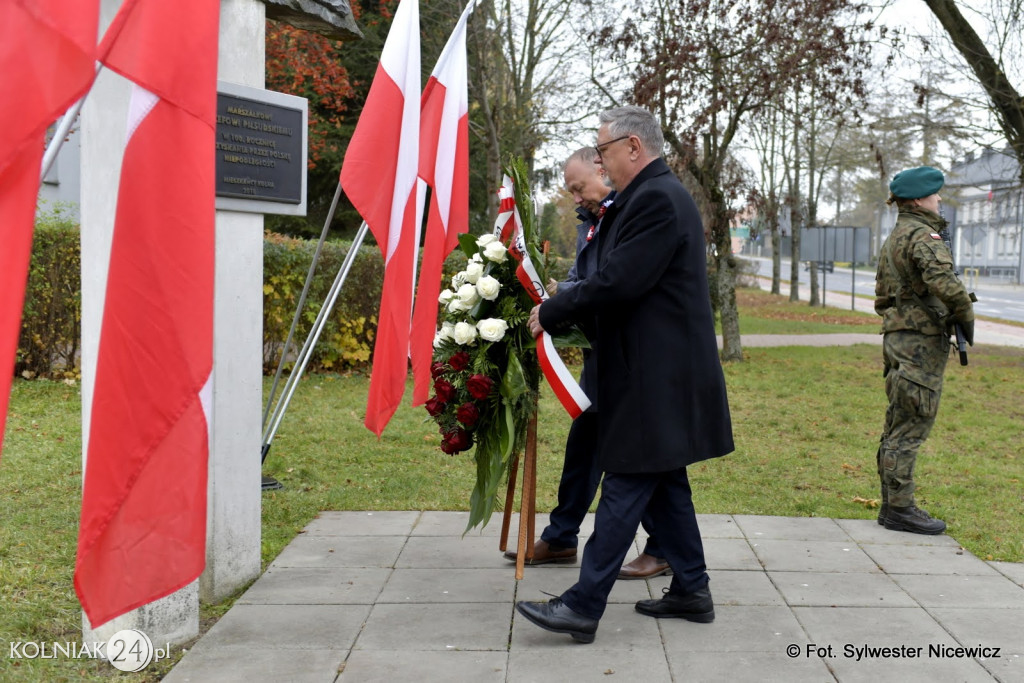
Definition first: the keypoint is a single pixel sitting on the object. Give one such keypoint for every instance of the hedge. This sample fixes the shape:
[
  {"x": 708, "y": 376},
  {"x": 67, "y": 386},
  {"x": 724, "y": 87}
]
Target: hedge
[{"x": 51, "y": 327}]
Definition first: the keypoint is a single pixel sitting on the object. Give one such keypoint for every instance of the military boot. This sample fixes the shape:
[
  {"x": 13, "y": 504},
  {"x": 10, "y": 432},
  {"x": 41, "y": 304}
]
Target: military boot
[
  {"x": 883, "y": 509},
  {"x": 913, "y": 519}
]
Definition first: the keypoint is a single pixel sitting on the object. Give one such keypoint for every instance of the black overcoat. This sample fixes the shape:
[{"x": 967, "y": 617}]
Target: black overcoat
[{"x": 663, "y": 398}]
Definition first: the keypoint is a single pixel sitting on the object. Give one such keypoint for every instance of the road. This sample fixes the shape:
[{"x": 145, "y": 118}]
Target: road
[{"x": 996, "y": 299}]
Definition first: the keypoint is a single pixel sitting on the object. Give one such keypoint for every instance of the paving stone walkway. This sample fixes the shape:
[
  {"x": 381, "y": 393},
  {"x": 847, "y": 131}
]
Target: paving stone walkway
[{"x": 402, "y": 596}]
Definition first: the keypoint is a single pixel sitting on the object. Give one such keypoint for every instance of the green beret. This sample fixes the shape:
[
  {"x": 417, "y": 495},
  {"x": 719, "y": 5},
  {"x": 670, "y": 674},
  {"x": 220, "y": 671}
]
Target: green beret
[{"x": 915, "y": 183}]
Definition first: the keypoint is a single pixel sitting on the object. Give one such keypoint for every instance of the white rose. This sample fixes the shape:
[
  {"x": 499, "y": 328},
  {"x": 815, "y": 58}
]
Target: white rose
[
  {"x": 492, "y": 329},
  {"x": 473, "y": 272},
  {"x": 443, "y": 334},
  {"x": 495, "y": 251},
  {"x": 468, "y": 295},
  {"x": 457, "y": 305},
  {"x": 484, "y": 240},
  {"x": 464, "y": 333},
  {"x": 457, "y": 279},
  {"x": 477, "y": 258},
  {"x": 488, "y": 287},
  {"x": 445, "y": 296}
]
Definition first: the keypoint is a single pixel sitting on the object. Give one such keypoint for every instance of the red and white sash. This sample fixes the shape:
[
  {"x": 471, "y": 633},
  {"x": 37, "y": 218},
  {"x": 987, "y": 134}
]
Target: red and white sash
[{"x": 509, "y": 224}]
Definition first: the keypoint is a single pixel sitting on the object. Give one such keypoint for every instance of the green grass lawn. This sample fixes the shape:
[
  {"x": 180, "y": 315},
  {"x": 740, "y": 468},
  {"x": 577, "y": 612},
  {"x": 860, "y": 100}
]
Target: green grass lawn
[{"x": 806, "y": 422}]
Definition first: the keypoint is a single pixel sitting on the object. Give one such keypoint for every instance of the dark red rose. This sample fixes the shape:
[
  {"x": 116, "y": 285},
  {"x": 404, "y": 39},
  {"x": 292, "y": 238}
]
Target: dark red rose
[
  {"x": 462, "y": 440},
  {"x": 437, "y": 369},
  {"x": 444, "y": 390},
  {"x": 479, "y": 386},
  {"x": 435, "y": 406},
  {"x": 467, "y": 414},
  {"x": 459, "y": 361},
  {"x": 455, "y": 441}
]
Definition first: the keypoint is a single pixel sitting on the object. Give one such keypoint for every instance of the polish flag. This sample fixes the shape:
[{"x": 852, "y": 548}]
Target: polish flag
[
  {"x": 143, "y": 527},
  {"x": 444, "y": 165},
  {"x": 47, "y": 58},
  {"x": 379, "y": 177}
]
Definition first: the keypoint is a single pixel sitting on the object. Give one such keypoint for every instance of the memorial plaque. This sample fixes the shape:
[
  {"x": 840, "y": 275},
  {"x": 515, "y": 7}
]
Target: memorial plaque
[{"x": 261, "y": 150}]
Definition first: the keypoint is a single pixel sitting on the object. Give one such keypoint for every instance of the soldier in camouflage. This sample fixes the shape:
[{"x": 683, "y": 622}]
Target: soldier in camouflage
[{"x": 919, "y": 297}]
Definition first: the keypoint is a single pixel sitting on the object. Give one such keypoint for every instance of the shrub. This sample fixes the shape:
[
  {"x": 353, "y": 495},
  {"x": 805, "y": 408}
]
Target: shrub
[{"x": 51, "y": 323}]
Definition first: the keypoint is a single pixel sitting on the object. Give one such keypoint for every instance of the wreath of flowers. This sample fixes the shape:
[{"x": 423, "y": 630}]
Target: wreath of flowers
[{"x": 485, "y": 368}]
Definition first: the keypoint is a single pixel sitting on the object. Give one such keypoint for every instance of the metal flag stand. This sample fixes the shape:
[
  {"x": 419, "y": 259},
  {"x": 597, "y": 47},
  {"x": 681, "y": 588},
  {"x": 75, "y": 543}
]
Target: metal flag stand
[{"x": 270, "y": 426}]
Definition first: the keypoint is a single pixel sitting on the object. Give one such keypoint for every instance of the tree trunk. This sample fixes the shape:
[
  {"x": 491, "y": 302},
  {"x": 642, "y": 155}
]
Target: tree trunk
[
  {"x": 732, "y": 348},
  {"x": 794, "y": 262},
  {"x": 1007, "y": 103},
  {"x": 776, "y": 254},
  {"x": 815, "y": 293}
]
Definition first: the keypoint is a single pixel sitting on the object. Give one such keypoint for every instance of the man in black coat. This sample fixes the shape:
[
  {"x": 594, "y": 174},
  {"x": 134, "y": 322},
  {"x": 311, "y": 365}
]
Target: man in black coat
[{"x": 663, "y": 399}]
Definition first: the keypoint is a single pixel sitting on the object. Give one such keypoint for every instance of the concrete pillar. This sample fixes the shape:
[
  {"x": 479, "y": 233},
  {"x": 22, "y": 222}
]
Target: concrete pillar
[
  {"x": 233, "y": 513},
  {"x": 233, "y": 523}
]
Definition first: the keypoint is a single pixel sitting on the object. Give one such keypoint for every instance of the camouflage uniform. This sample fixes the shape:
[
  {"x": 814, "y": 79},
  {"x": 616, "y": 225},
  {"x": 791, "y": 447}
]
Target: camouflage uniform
[{"x": 919, "y": 296}]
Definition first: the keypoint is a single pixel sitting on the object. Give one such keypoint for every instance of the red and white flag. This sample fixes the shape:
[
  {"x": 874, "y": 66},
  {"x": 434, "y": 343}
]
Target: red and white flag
[
  {"x": 47, "y": 58},
  {"x": 143, "y": 527},
  {"x": 379, "y": 177},
  {"x": 444, "y": 165}
]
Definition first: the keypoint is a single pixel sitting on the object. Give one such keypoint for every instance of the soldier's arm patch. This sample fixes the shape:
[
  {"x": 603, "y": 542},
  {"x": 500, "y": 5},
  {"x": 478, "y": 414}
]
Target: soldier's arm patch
[{"x": 935, "y": 236}]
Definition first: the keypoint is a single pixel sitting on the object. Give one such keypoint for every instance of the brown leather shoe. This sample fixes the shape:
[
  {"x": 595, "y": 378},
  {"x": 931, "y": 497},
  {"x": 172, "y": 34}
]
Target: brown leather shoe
[
  {"x": 543, "y": 553},
  {"x": 645, "y": 567}
]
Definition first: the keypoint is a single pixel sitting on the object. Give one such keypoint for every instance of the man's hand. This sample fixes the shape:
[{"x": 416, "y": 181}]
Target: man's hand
[
  {"x": 535, "y": 326},
  {"x": 551, "y": 286}
]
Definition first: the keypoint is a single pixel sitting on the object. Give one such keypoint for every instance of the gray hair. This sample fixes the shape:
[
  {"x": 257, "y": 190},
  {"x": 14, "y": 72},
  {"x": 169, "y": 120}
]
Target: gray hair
[
  {"x": 636, "y": 121},
  {"x": 584, "y": 155}
]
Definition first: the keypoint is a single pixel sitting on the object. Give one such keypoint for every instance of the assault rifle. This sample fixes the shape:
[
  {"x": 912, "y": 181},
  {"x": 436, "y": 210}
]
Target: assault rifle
[{"x": 961, "y": 340}]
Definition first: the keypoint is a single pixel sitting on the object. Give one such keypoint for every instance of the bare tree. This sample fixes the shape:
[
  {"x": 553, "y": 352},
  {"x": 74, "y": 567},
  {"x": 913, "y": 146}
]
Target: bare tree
[
  {"x": 990, "y": 66},
  {"x": 706, "y": 66},
  {"x": 770, "y": 137},
  {"x": 520, "y": 52}
]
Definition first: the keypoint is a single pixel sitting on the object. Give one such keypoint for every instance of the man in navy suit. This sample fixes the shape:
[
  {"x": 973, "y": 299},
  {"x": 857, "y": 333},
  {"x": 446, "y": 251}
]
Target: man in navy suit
[
  {"x": 585, "y": 181},
  {"x": 660, "y": 382}
]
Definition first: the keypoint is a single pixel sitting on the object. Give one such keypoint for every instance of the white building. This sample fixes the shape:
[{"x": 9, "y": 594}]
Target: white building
[
  {"x": 984, "y": 204},
  {"x": 62, "y": 184}
]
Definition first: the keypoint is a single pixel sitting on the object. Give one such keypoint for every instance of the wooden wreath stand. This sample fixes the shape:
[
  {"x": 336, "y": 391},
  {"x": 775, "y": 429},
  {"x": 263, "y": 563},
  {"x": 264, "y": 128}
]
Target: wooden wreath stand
[{"x": 527, "y": 499}]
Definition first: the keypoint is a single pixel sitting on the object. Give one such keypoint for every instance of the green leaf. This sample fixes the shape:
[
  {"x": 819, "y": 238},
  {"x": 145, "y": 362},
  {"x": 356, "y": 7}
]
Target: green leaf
[
  {"x": 508, "y": 432},
  {"x": 513, "y": 383},
  {"x": 467, "y": 243}
]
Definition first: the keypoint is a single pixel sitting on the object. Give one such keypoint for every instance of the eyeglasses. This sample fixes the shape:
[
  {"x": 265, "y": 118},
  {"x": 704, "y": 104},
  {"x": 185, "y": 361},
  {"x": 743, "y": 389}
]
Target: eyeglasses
[{"x": 597, "y": 149}]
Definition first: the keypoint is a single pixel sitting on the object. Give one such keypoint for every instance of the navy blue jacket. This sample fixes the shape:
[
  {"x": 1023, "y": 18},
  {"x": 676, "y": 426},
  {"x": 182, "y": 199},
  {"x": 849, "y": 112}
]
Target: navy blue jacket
[
  {"x": 663, "y": 398},
  {"x": 584, "y": 265}
]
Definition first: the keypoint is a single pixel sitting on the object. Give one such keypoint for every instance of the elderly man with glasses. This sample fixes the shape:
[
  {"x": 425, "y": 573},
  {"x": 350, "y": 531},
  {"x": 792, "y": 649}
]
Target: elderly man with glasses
[{"x": 661, "y": 386}]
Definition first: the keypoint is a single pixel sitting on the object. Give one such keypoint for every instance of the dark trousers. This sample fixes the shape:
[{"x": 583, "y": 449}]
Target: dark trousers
[
  {"x": 578, "y": 486},
  {"x": 624, "y": 497}
]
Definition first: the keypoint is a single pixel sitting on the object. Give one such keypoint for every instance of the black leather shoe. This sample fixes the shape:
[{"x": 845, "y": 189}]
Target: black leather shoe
[
  {"x": 556, "y": 616},
  {"x": 697, "y": 606},
  {"x": 913, "y": 519}
]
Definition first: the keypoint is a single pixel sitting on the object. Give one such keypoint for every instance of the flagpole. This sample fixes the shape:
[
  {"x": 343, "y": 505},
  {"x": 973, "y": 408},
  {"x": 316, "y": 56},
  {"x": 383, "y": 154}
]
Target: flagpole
[
  {"x": 302, "y": 301},
  {"x": 314, "y": 335},
  {"x": 57, "y": 141}
]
